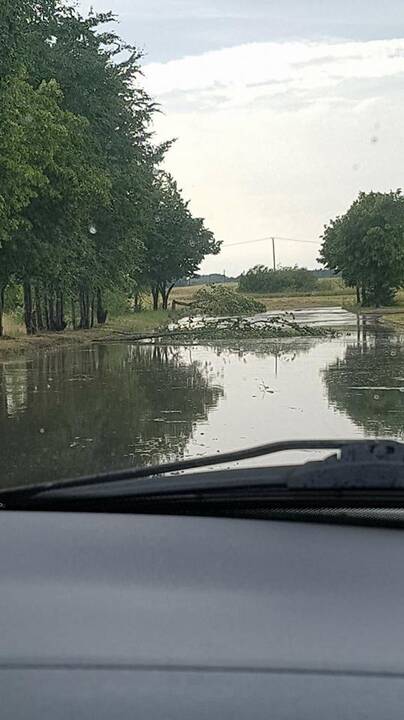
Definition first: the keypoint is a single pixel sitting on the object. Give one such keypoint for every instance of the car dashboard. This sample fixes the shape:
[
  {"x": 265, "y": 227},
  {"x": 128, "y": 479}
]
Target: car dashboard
[{"x": 166, "y": 617}]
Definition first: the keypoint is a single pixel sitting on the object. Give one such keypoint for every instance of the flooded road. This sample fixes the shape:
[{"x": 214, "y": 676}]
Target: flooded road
[{"x": 79, "y": 410}]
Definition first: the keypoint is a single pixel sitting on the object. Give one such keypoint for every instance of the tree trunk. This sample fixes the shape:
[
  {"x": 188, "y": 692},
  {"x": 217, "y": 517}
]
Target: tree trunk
[
  {"x": 358, "y": 295},
  {"x": 29, "y": 316},
  {"x": 73, "y": 314},
  {"x": 92, "y": 310},
  {"x": 51, "y": 311},
  {"x": 81, "y": 305},
  {"x": 2, "y": 291},
  {"x": 60, "y": 313},
  {"x": 84, "y": 308},
  {"x": 101, "y": 312},
  {"x": 38, "y": 309},
  {"x": 46, "y": 311},
  {"x": 155, "y": 295},
  {"x": 165, "y": 294},
  {"x": 365, "y": 297}
]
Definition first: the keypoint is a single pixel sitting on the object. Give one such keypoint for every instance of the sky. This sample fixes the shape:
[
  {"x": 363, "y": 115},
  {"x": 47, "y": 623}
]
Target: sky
[{"x": 282, "y": 112}]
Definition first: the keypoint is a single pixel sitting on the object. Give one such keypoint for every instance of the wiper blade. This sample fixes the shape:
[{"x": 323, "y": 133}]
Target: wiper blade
[{"x": 362, "y": 464}]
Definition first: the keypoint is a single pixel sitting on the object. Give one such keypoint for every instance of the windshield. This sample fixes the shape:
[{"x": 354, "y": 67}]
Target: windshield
[{"x": 201, "y": 230}]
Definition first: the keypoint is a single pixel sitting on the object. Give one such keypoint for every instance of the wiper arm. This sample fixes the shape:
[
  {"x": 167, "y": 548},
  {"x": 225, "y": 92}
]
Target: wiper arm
[{"x": 363, "y": 464}]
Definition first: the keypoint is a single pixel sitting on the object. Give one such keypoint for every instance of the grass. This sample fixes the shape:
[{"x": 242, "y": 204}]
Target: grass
[
  {"x": 395, "y": 318},
  {"x": 332, "y": 292},
  {"x": 16, "y": 340},
  {"x": 298, "y": 302},
  {"x": 141, "y": 321},
  {"x": 13, "y": 327},
  {"x": 393, "y": 314}
]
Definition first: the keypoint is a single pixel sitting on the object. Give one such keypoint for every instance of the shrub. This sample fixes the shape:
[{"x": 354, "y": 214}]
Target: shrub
[{"x": 288, "y": 279}]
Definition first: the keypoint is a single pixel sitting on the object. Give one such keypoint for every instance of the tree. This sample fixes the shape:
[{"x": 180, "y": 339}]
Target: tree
[
  {"x": 95, "y": 184},
  {"x": 16, "y": 18},
  {"x": 31, "y": 129},
  {"x": 83, "y": 207},
  {"x": 49, "y": 185},
  {"x": 176, "y": 242},
  {"x": 263, "y": 279},
  {"x": 104, "y": 90},
  {"x": 366, "y": 245}
]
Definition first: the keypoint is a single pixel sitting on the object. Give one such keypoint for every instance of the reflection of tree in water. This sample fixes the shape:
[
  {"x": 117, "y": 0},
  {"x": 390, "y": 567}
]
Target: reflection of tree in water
[
  {"x": 84, "y": 410},
  {"x": 368, "y": 385}
]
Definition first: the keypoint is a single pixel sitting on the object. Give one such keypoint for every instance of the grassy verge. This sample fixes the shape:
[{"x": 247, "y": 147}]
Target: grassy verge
[
  {"x": 17, "y": 341},
  {"x": 393, "y": 314},
  {"x": 300, "y": 302},
  {"x": 394, "y": 318}
]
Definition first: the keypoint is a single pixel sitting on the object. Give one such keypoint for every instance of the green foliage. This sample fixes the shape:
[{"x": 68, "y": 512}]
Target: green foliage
[
  {"x": 262, "y": 279},
  {"x": 117, "y": 301},
  {"x": 14, "y": 299},
  {"x": 84, "y": 207},
  {"x": 366, "y": 245},
  {"x": 176, "y": 242},
  {"x": 332, "y": 286},
  {"x": 219, "y": 300}
]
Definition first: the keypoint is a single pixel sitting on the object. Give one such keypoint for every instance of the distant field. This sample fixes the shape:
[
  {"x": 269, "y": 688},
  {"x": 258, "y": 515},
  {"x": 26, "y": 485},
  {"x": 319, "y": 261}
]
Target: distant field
[{"x": 333, "y": 292}]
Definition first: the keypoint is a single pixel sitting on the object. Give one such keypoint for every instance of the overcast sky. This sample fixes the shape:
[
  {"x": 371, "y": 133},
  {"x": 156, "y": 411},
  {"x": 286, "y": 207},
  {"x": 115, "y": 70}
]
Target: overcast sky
[{"x": 283, "y": 111}]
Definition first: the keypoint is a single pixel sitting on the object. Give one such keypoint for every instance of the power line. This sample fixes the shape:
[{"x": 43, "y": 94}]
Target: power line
[{"x": 270, "y": 237}]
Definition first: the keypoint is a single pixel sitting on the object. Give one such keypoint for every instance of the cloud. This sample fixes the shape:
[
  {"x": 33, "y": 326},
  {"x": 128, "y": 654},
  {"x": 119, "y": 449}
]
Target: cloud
[
  {"x": 247, "y": 72},
  {"x": 277, "y": 138}
]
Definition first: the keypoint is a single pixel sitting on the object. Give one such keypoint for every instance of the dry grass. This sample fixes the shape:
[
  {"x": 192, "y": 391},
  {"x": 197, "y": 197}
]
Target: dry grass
[
  {"x": 297, "y": 302},
  {"x": 396, "y": 318},
  {"x": 12, "y": 327}
]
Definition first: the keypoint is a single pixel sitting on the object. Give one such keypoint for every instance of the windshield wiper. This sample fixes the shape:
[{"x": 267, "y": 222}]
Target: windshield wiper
[{"x": 361, "y": 465}]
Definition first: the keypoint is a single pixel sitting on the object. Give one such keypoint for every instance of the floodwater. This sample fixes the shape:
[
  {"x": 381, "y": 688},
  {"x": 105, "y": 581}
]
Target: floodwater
[{"x": 80, "y": 410}]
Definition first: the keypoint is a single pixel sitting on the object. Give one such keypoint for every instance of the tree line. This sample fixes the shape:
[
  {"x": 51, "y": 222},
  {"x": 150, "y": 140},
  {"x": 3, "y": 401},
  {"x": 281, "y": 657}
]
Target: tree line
[
  {"x": 85, "y": 205},
  {"x": 262, "y": 279}
]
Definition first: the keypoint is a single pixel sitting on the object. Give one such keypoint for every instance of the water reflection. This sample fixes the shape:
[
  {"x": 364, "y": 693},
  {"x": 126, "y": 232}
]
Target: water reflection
[
  {"x": 70, "y": 412},
  {"x": 76, "y": 411},
  {"x": 368, "y": 383}
]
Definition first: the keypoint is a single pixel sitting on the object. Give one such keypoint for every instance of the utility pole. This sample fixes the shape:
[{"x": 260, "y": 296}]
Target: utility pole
[{"x": 273, "y": 253}]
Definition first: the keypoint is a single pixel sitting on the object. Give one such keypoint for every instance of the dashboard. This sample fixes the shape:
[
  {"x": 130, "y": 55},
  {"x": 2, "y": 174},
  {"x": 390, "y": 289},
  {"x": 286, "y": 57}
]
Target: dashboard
[{"x": 176, "y": 617}]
